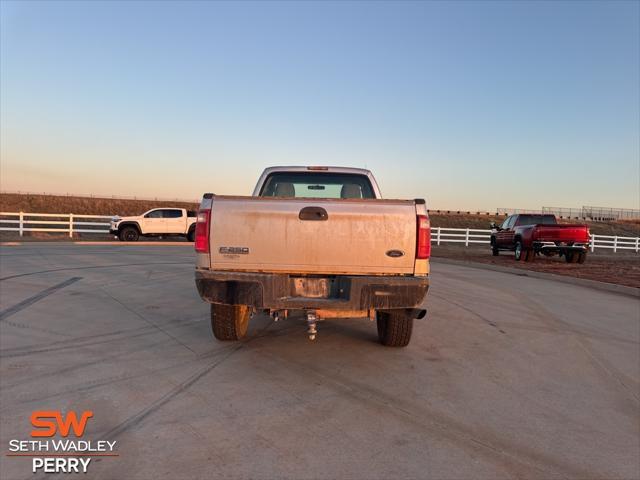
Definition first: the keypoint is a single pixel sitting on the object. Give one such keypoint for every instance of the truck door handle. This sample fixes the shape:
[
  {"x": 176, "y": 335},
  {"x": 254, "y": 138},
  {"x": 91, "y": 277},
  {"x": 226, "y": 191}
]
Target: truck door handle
[{"x": 313, "y": 213}]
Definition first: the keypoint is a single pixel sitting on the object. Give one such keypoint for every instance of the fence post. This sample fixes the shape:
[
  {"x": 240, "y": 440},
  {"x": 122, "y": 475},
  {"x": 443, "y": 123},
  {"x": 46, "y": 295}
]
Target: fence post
[
  {"x": 593, "y": 243},
  {"x": 71, "y": 225},
  {"x": 21, "y": 228},
  {"x": 439, "y": 235},
  {"x": 615, "y": 244},
  {"x": 637, "y": 244},
  {"x": 466, "y": 239}
]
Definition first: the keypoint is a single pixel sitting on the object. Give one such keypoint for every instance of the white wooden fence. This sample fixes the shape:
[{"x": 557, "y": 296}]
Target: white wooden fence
[
  {"x": 44, "y": 222},
  {"x": 69, "y": 223},
  {"x": 614, "y": 242}
]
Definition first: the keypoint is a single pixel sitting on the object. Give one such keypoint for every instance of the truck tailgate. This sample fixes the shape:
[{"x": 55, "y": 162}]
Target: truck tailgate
[
  {"x": 562, "y": 233},
  {"x": 270, "y": 235}
]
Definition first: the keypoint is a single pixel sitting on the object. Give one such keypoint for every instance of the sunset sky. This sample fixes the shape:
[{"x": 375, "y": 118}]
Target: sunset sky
[{"x": 470, "y": 105}]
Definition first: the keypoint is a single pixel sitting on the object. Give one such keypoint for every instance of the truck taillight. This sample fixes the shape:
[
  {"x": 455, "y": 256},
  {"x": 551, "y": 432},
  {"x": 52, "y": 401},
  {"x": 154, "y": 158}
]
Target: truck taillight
[
  {"x": 203, "y": 221},
  {"x": 423, "y": 240}
]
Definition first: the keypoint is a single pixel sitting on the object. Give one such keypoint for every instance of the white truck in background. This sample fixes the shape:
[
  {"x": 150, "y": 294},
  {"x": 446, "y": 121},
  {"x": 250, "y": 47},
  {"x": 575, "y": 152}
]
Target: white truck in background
[
  {"x": 157, "y": 222},
  {"x": 318, "y": 241}
]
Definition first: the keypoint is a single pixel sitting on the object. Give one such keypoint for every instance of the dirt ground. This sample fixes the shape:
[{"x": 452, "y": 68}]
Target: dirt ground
[{"x": 619, "y": 268}]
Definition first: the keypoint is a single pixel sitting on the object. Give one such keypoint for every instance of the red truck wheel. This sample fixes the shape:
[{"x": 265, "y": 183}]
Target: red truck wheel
[
  {"x": 494, "y": 247},
  {"x": 570, "y": 257},
  {"x": 518, "y": 252},
  {"x": 582, "y": 256}
]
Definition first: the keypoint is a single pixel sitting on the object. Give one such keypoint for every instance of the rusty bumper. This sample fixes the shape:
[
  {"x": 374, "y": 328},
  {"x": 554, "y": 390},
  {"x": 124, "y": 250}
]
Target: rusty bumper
[{"x": 284, "y": 291}]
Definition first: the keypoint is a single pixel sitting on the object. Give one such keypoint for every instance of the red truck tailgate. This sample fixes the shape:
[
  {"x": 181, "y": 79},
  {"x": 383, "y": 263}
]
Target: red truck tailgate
[{"x": 562, "y": 233}]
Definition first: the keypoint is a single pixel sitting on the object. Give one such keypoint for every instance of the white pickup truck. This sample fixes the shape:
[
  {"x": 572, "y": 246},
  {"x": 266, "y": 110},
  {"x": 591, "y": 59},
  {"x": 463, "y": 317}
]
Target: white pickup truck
[
  {"x": 154, "y": 223},
  {"x": 318, "y": 241}
]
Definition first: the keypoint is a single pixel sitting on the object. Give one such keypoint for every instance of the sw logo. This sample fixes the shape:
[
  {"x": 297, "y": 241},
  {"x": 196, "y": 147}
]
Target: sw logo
[
  {"x": 45, "y": 427},
  {"x": 62, "y": 454}
]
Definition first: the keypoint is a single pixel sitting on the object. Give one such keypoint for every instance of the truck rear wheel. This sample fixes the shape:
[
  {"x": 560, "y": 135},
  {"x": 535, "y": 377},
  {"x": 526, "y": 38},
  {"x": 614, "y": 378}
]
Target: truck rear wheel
[
  {"x": 529, "y": 255},
  {"x": 394, "y": 329},
  {"x": 191, "y": 236},
  {"x": 582, "y": 256},
  {"x": 129, "y": 234},
  {"x": 570, "y": 257},
  {"x": 229, "y": 322}
]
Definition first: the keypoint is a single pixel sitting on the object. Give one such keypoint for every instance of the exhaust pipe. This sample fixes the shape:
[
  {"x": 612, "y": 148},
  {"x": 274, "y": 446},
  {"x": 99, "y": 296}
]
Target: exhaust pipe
[{"x": 418, "y": 313}]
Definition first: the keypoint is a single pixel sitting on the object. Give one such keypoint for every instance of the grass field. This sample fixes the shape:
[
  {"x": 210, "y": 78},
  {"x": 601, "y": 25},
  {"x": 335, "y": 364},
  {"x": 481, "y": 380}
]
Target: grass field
[{"x": 11, "y": 202}]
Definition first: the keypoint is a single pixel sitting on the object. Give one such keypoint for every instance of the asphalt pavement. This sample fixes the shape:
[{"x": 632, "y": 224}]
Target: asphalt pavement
[{"x": 507, "y": 376}]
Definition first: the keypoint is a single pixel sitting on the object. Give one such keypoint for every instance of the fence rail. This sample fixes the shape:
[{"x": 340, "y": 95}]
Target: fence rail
[{"x": 21, "y": 222}]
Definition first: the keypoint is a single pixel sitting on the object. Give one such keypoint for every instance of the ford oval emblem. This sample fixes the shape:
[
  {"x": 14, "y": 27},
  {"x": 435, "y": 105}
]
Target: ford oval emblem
[{"x": 395, "y": 253}]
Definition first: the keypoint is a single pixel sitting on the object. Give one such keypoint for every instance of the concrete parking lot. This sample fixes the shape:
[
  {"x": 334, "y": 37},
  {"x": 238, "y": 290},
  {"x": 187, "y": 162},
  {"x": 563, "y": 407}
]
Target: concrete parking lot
[{"x": 507, "y": 377}]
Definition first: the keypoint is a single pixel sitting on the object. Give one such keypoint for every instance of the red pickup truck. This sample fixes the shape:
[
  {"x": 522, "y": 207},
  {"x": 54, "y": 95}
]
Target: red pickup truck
[{"x": 531, "y": 234}]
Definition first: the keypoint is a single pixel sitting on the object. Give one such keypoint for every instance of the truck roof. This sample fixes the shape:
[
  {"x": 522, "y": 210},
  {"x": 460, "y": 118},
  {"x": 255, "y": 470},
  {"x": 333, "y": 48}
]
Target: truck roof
[
  {"x": 317, "y": 168},
  {"x": 537, "y": 214}
]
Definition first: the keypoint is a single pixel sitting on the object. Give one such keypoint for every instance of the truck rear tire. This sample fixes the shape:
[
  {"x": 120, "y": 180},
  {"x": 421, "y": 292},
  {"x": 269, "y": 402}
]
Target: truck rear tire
[
  {"x": 570, "y": 257},
  {"x": 191, "y": 236},
  {"x": 529, "y": 255},
  {"x": 394, "y": 329},
  {"x": 229, "y": 322},
  {"x": 582, "y": 256},
  {"x": 129, "y": 234}
]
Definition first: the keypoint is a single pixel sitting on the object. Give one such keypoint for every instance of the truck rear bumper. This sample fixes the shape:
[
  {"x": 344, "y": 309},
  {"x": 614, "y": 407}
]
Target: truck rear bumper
[
  {"x": 285, "y": 291},
  {"x": 559, "y": 247}
]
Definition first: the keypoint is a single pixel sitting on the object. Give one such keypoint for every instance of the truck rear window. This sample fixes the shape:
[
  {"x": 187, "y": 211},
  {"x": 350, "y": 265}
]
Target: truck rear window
[
  {"x": 317, "y": 185},
  {"x": 536, "y": 220}
]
